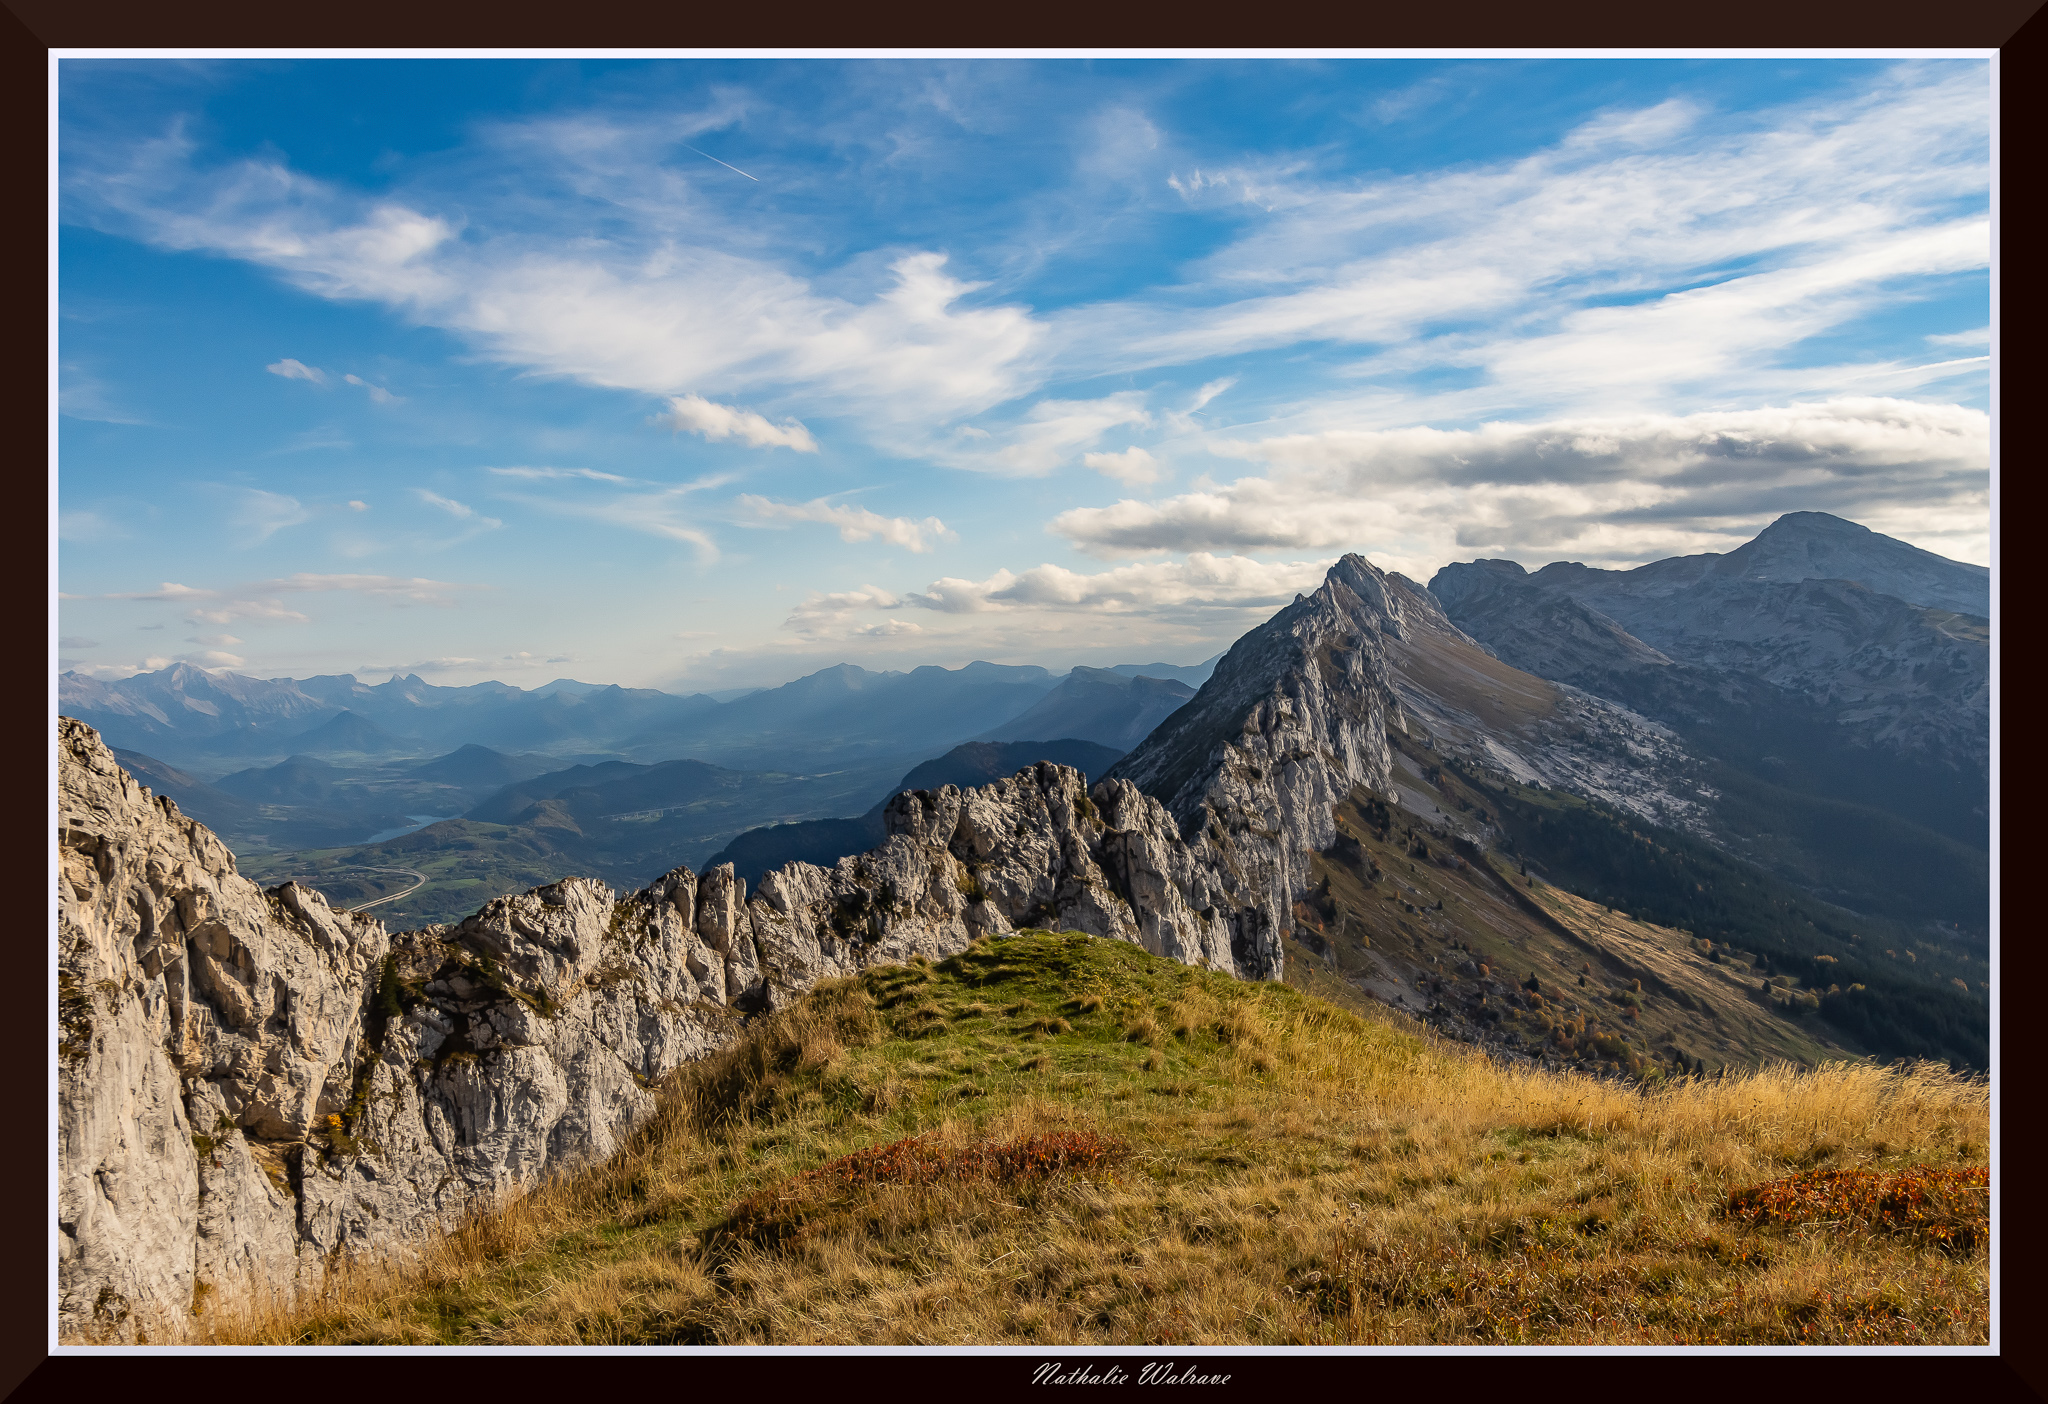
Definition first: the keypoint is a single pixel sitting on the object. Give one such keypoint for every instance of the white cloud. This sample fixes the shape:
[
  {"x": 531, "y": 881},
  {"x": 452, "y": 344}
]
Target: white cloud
[
  {"x": 828, "y": 613},
  {"x": 213, "y": 658},
  {"x": 854, "y": 523},
  {"x": 259, "y": 611},
  {"x": 886, "y": 629},
  {"x": 1731, "y": 241},
  {"x": 549, "y": 473},
  {"x": 1615, "y": 489},
  {"x": 700, "y": 416},
  {"x": 258, "y": 600},
  {"x": 461, "y": 511},
  {"x": 1134, "y": 466},
  {"x": 1649, "y": 126},
  {"x": 266, "y": 513},
  {"x": 1980, "y": 337},
  {"x": 640, "y": 311},
  {"x": 1651, "y": 259},
  {"x": 298, "y": 370},
  {"x": 1648, "y": 262},
  {"x": 659, "y": 513},
  {"x": 378, "y": 394},
  {"x": 1048, "y": 436},
  {"x": 1201, "y": 585},
  {"x": 357, "y": 505}
]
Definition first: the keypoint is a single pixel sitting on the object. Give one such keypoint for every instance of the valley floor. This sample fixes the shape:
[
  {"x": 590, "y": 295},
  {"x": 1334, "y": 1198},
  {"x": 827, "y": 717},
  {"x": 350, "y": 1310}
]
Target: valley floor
[{"x": 1114, "y": 1148}]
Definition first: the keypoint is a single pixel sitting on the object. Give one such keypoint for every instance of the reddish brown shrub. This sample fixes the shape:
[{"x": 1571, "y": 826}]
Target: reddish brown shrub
[{"x": 1949, "y": 1208}]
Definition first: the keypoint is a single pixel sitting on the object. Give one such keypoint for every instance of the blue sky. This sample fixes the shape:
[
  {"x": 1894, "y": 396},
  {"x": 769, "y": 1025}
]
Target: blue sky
[{"x": 702, "y": 374}]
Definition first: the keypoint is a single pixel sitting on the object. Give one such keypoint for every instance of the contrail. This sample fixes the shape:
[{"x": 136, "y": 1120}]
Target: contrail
[{"x": 727, "y": 164}]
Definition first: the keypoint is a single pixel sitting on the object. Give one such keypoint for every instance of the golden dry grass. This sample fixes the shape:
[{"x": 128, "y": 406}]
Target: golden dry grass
[{"x": 1298, "y": 1175}]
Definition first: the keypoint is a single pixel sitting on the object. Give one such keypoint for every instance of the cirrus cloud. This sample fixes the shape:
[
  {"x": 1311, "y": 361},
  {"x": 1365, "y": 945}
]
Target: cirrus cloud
[
  {"x": 259, "y": 600},
  {"x": 292, "y": 369},
  {"x": 696, "y": 415},
  {"x": 854, "y": 523}
]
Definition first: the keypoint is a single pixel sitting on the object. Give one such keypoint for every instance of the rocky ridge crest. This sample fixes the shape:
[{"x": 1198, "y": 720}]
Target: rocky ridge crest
[{"x": 252, "y": 1084}]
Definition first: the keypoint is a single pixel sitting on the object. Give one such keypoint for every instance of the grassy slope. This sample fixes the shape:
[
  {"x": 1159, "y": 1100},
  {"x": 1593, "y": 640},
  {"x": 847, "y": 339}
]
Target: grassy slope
[
  {"x": 1373, "y": 924},
  {"x": 1297, "y": 1175},
  {"x": 1925, "y": 993}
]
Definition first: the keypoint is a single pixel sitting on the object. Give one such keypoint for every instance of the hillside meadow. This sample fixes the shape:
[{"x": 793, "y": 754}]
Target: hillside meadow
[{"x": 1051, "y": 1138}]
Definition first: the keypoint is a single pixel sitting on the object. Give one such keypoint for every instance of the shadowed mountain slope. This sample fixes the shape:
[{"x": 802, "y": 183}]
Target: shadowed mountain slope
[{"x": 1095, "y": 704}]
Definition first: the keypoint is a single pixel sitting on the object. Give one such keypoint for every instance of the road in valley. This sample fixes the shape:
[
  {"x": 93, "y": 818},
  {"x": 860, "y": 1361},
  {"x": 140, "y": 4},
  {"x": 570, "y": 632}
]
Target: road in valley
[{"x": 419, "y": 881}]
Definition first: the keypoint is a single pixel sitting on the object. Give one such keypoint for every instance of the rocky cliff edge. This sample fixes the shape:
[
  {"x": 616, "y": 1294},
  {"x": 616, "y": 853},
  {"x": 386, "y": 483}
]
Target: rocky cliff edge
[{"x": 253, "y": 1085}]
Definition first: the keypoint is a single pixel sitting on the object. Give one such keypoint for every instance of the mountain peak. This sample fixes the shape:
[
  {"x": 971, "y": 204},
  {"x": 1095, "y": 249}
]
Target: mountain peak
[
  {"x": 1817, "y": 546},
  {"x": 1293, "y": 718}
]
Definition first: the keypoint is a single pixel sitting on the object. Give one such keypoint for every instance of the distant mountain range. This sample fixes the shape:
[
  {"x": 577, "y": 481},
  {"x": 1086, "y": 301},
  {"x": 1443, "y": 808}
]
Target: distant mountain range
[
  {"x": 1844, "y": 730},
  {"x": 210, "y": 723},
  {"x": 1110, "y": 708},
  {"x": 615, "y": 794},
  {"x": 1832, "y": 729}
]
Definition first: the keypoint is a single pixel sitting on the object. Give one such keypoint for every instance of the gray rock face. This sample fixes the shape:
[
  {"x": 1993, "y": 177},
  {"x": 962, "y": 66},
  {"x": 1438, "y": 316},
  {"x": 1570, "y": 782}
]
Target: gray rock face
[
  {"x": 250, "y": 1082},
  {"x": 252, "y": 1085},
  {"x": 175, "y": 974},
  {"x": 1908, "y": 678},
  {"x": 1539, "y": 631},
  {"x": 1294, "y": 716},
  {"x": 1032, "y": 850}
]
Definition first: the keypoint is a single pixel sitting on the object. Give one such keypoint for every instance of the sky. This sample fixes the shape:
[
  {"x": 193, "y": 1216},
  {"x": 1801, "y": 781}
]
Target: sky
[{"x": 703, "y": 374}]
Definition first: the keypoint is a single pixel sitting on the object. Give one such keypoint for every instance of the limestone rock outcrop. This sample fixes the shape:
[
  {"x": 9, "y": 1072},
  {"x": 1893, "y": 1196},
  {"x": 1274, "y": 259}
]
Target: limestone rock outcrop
[
  {"x": 1294, "y": 717},
  {"x": 252, "y": 1084}
]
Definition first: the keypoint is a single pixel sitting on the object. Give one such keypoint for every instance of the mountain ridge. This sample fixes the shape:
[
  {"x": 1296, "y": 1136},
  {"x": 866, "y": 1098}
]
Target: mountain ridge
[{"x": 1351, "y": 760}]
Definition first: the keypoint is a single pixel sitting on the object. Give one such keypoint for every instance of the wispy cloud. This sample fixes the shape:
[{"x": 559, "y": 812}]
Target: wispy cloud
[
  {"x": 1979, "y": 337},
  {"x": 540, "y": 474},
  {"x": 298, "y": 370},
  {"x": 378, "y": 394},
  {"x": 1643, "y": 259},
  {"x": 854, "y": 523},
  {"x": 263, "y": 514},
  {"x": 1651, "y": 257},
  {"x": 662, "y": 512},
  {"x": 461, "y": 511},
  {"x": 696, "y": 415},
  {"x": 259, "y": 601},
  {"x": 1047, "y": 437}
]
